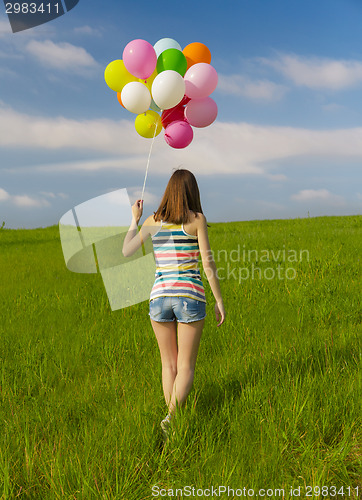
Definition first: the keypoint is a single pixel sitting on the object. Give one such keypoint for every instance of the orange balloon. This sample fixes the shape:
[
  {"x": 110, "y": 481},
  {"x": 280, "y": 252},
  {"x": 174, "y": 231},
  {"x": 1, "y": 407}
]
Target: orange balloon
[
  {"x": 196, "y": 52},
  {"x": 119, "y": 98}
]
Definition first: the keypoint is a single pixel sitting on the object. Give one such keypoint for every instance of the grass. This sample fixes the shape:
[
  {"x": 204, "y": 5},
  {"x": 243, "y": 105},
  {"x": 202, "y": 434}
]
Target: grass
[{"x": 276, "y": 401}]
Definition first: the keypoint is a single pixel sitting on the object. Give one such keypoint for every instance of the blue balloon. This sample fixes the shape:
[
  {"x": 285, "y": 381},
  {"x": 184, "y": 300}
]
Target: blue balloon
[
  {"x": 154, "y": 106},
  {"x": 164, "y": 44}
]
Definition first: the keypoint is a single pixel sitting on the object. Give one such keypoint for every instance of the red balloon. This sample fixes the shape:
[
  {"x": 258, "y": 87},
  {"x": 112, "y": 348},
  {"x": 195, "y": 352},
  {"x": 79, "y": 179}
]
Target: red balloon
[
  {"x": 185, "y": 100},
  {"x": 172, "y": 115}
]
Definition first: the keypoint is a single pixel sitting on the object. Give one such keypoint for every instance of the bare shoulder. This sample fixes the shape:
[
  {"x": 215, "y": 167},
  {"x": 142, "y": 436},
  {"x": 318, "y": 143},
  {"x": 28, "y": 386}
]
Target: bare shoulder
[
  {"x": 196, "y": 224},
  {"x": 199, "y": 217},
  {"x": 150, "y": 226},
  {"x": 200, "y": 221},
  {"x": 191, "y": 225},
  {"x": 150, "y": 221}
]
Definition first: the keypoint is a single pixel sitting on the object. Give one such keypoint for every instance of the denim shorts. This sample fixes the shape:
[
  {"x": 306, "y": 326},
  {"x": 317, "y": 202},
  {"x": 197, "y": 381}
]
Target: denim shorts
[{"x": 182, "y": 309}]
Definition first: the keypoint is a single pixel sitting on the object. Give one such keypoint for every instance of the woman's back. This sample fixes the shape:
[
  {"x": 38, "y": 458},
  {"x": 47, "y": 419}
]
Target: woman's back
[
  {"x": 177, "y": 253},
  {"x": 190, "y": 226}
]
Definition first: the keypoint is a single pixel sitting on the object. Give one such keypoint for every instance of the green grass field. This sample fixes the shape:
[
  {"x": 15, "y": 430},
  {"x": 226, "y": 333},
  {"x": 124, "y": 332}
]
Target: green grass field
[{"x": 276, "y": 401}]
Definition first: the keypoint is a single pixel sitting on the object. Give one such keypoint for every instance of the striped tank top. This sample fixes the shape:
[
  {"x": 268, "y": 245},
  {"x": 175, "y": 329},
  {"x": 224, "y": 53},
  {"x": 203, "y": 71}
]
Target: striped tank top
[{"x": 176, "y": 255}]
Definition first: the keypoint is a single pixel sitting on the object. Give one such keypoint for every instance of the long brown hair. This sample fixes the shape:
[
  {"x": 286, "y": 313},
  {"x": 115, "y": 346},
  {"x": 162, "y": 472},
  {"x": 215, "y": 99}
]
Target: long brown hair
[{"x": 181, "y": 195}]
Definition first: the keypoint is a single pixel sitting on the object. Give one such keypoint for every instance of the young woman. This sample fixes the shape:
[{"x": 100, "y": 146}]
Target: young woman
[{"x": 177, "y": 303}]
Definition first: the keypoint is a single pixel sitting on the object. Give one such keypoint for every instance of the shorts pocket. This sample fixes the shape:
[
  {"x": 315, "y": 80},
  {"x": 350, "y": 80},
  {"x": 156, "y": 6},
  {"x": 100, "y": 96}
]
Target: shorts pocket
[
  {"x": 156, "y": 306},
  {"x": 192, "y": 308}
]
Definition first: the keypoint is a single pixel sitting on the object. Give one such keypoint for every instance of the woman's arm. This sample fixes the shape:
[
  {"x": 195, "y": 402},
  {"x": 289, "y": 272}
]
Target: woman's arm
[
  {"x": 134, "y": 238},
  {"x": 209, "y": 266}
]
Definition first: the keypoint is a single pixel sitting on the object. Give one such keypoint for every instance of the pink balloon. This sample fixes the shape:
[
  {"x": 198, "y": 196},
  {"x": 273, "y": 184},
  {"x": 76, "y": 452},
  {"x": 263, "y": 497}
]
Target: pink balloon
[
  {"x": 178, "y": 134},
  {"x": 140, "y": 58},
  {"x": 201, "y": 112},
  {"x": 200, "y": 80}
]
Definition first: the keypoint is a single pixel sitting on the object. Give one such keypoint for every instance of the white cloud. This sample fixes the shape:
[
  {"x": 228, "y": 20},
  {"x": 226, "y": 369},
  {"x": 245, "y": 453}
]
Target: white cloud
[
  {"x": 333, "y": 107},
  {"x": 87, "y": 30},
  {"x": 253, "y": 89},
  {"x": 22, "y": 200},
  {"x": 223, "y": 148},
  {"x": 120, "y": 163},
  {"x": 135, "y": 194},
  {"x": 318, "y": 73},
  {"x": 269, "y": 205},
  {"x": 4, "y": 195},
  {"x": 35, "y": 132},
  {"x": 318, "y": 195},
  {"x": 62, "y": 55},
  {"x": 17, "y": 40},
  {"x": 5, "y": 29},
  {"x": 7, "y": 73},
  {"x": 27, "y": 201},
  {"x": 277, "y": 177},
  {"x": 48, "y": 194}
]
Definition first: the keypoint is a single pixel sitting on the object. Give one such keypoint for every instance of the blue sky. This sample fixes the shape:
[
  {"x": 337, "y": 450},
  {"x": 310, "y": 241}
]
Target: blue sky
[{"x": 287, "y": 141}]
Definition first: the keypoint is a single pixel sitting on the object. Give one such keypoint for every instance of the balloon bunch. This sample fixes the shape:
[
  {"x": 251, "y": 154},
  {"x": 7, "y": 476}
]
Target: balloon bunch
[{"x": 165, "y": 79}]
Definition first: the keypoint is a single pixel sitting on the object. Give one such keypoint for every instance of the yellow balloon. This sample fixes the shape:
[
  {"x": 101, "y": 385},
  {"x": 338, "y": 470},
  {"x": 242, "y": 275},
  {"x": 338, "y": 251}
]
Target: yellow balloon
[
  {"x": 149, "y": 80},
  {"x": 117, "y": 76},
  {"x": 146, "y": 124}
]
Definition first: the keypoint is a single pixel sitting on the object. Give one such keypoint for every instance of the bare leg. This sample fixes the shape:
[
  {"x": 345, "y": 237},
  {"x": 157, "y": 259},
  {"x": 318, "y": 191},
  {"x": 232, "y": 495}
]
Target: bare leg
[
  {"x": 189, "y": 336},
  {"x": 167, "y": 342}
]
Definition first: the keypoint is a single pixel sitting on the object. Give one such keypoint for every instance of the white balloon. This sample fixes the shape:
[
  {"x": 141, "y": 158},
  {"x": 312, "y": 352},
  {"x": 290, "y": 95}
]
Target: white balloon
[
  {"x": 136, "y": 97},
  {"x": 168, "y": 89}
]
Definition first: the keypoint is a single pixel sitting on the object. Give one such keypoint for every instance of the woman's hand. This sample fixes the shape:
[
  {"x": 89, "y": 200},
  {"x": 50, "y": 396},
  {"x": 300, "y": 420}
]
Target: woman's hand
[
  {"x": 137, "y": 210},
  {"x": 220, "y": 312}
]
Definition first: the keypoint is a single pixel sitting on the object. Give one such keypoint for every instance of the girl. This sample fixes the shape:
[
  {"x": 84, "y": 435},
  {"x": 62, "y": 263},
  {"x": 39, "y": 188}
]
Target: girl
[{"x": 177, "y": 303}]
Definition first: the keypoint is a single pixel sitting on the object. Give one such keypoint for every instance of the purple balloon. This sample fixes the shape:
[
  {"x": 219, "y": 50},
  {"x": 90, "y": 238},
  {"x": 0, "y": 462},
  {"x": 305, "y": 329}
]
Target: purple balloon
[
  {"x": 179, "y": 134},
  {"x": 140, "y": 58},
  {"x": 200, "y": 80},
  {"x": 201, "y": 112}
]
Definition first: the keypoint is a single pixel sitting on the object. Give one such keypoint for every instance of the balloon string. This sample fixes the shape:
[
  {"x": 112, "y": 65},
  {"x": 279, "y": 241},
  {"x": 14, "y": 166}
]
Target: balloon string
[{"x": 148, "y": 161}]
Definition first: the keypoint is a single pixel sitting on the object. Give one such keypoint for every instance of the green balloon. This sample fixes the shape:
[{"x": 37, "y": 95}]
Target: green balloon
[{"x": 172, "y": 59}]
